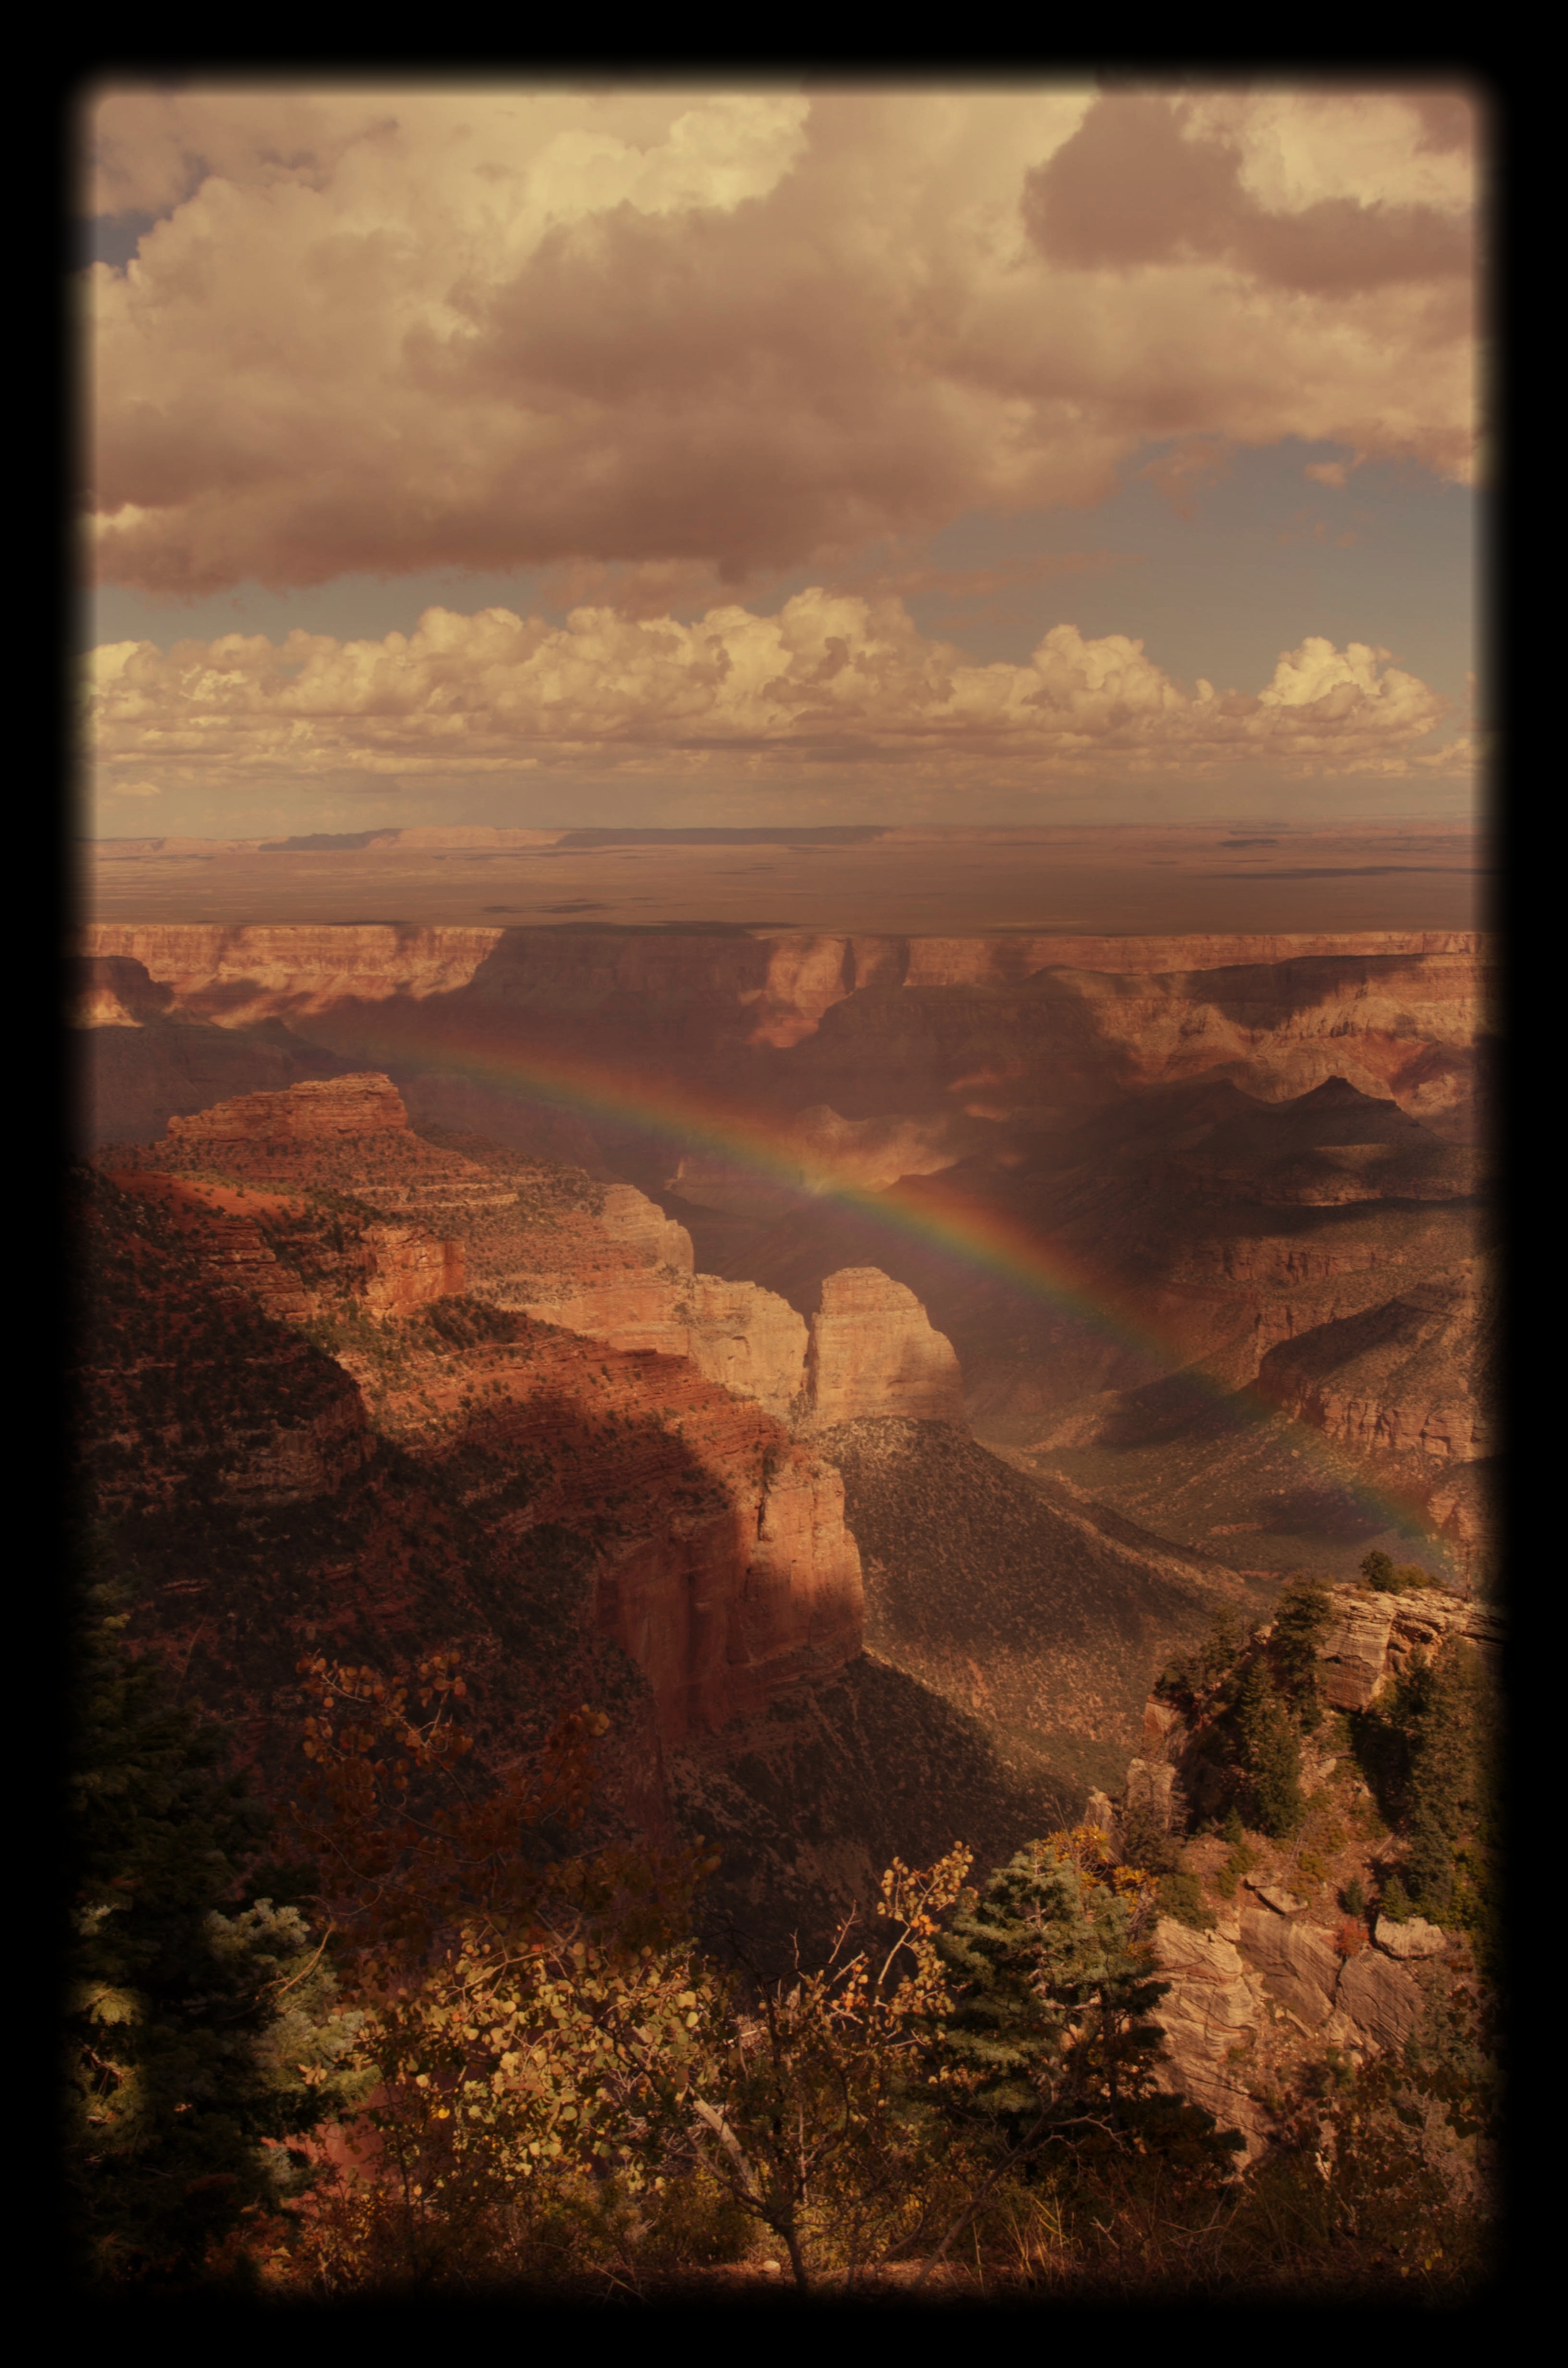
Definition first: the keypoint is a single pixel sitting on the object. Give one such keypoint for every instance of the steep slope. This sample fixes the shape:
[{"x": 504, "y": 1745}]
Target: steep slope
[{"x": 1031, "y": 1613}]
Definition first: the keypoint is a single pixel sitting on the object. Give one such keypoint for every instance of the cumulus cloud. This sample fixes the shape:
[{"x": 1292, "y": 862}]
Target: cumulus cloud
[
  {"x": 724, "y": 334},
  {"x": 1146, "y": 179},
  {"x": 831, "y": 681}
]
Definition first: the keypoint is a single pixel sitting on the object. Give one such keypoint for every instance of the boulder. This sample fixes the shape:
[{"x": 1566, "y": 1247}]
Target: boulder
[
  {"x": 1414, "y": 1939},
  {"x": 1284, "y": 1903}
]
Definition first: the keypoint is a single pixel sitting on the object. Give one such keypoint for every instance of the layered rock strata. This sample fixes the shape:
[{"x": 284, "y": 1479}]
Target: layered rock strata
[
  {"x": 1310, "y": 1235},
  {"x": 987, "y": 1036},
  {"x": 744, "y": 1580},
  {"x": 598, "y": 1260},
  {"x": 873, "y": 1352}
]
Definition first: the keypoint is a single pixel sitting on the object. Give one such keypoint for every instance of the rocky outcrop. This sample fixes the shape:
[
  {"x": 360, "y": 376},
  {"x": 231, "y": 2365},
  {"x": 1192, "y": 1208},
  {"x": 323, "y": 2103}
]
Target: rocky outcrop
[
  {"x": 386, "y": 1270},
  {"x": 1297, "y": 1961},
  {"x": 629, "y": 1218},
  {"x": 747, "y": 1340},
  {"x": 322, "y": 1109},
  {"x": 873, "y": 1352},
  {"x": 870, "y": 1349},
  {"x": 114, "y": 992},
  {"x": 1210, "y": 2019},
  {"x": 1380, "y": 1999},
  {"x": 714, "y": 1552},
  {"x": 1288, "y": 1972},
  {"x": 720, "y": 1621},
  {"x": 1250, "y": 2003},
  {"x": 1373, "y": 1637},
  {"x": 601, "y": 1260},
  {"x": 409, "y": 1268}
]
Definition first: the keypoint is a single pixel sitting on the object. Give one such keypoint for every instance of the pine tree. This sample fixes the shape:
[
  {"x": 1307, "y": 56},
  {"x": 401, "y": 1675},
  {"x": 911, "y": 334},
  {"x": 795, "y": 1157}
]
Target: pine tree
[
  {"x": 1302, "y": 1614},
  {"x": 191, "y": 2005},
  {"x": 1054, "y": 1990},
  {"x": 1271, "y": 1752},
  {"x": 1435, "y": 1737}
]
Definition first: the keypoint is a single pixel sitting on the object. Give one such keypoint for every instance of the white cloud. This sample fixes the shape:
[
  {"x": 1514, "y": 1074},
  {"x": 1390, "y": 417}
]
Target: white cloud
[{"x": 833, "y": 681}]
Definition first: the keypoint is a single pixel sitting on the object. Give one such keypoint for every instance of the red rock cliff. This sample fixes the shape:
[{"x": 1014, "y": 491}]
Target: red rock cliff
[
  {"x": 873, "y": 1352},
  {"x": 720, "y": 1560}
]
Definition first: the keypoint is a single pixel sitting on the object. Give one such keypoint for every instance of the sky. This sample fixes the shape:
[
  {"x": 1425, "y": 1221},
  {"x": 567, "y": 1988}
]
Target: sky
[{"x": 797, "y": 452}]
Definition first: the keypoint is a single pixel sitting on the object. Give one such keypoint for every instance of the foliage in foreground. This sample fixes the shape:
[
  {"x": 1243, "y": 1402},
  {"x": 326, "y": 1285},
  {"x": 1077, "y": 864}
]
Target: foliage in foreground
[
  {"x": 497, "y": 2057},
  {"x": 200, "y": 2019}
]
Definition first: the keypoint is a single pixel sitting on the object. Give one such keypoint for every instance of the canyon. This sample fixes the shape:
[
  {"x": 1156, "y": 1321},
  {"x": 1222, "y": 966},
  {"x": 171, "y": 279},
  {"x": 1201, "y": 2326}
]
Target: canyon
[
  {"x": 1203, "y": 1219},
  {"x": 854, "y": 1364},
  {"x": 355, "y": 1382}
]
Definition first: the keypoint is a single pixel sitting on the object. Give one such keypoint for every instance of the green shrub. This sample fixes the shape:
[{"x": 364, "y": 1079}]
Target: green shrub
[
  {"x": 1146, "y": 1843},
  {"x": 1395, "y": 1903},
  {"x": 1180, "y": 1896},
  {"x": 1187, "y": 1677}
]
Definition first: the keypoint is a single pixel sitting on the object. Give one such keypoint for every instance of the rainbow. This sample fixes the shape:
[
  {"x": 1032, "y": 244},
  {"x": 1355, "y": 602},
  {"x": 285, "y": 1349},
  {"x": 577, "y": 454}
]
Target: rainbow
[{"x": 977, "y": 1241}]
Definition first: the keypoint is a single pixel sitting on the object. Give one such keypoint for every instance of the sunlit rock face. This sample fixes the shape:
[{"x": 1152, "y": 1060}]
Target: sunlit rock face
[{"x": 873, "y": 1352}]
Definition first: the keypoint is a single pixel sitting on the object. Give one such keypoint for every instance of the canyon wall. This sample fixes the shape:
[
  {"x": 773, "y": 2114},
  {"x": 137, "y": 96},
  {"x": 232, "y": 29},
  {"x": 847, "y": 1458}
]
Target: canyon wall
[
  {"x": 1253, "y": 1159},
  {"x": 993, "y": 1031},
  {"x": 722, "y": 1584}
]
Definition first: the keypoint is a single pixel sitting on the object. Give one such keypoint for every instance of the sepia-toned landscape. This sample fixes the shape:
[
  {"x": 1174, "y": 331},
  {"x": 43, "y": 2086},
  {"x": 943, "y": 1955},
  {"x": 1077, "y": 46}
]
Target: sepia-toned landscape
[{"x": 786, "y": 1577}]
